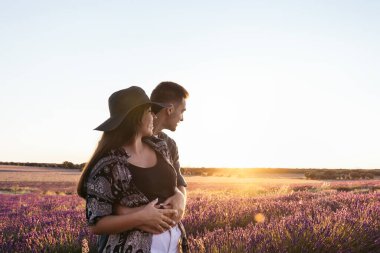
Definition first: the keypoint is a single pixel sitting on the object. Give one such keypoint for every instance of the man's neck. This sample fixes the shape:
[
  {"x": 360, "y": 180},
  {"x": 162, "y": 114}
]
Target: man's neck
[
  {"x": 157, "y": 129},
  {"x": 156, "y": 132}
]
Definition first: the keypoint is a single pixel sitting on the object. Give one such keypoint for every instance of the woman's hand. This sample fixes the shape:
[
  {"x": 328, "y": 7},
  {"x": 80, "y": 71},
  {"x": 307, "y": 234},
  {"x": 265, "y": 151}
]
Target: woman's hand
[
  {"x": 149, "y": 218},
  {"x": 123, "y": 210},
  {"x": 157, "y": 220}
]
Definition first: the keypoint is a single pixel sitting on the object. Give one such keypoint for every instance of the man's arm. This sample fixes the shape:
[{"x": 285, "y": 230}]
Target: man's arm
[
  {"x": 175, "y": 159},
  {"x": 183, "y": 190},
  {"x": 178, "y": 200}
]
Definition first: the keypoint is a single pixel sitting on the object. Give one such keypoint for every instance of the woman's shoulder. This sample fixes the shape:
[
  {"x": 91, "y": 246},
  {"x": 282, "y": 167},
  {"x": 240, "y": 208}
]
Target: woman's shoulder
[
  {"x": 110, "y": 175},
  {"x": 107, "y": 163}
]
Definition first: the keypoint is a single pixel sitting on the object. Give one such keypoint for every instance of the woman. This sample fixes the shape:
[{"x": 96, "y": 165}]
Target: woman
[{"x": 126, "y": 158}]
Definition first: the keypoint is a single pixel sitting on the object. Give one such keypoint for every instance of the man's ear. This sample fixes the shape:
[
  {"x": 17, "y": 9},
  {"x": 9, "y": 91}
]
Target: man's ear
[{"x": 170, "y": 109}]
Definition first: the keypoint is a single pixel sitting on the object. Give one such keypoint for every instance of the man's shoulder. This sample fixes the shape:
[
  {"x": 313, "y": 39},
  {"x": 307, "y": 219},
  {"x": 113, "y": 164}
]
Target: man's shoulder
[{"x": 170, "y": 141}]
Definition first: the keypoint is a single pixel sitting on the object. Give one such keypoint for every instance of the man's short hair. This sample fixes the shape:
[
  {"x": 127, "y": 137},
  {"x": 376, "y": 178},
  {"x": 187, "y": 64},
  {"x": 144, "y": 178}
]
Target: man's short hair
[{"x": 167, "y": 92}]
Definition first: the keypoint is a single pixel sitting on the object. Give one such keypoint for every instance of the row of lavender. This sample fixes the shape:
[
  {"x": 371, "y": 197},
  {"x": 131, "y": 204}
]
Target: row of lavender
[
  {"x": 41, "y": 223},
  {"x": 298, "y": 222},
  {"x": 304, "y": 221}
]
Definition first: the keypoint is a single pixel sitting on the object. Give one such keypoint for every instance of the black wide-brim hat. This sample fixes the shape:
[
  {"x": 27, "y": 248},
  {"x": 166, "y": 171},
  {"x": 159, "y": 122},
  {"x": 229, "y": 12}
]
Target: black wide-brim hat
[{"x": 122, "y": 102}]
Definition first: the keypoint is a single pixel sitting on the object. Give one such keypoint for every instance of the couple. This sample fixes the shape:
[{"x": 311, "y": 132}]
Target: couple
[{"x": 135, "y": 193}]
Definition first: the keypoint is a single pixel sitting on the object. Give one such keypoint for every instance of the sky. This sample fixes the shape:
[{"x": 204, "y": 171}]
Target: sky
[{"x": 290, "y": 84}]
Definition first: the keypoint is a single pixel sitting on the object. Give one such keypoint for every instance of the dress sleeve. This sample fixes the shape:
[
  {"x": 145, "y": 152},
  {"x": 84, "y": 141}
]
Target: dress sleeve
[{"x": 102, "y": 191}]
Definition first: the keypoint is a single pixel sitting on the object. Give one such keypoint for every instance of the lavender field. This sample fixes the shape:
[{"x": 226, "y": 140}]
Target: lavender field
[{"x": 223, "y": 215}]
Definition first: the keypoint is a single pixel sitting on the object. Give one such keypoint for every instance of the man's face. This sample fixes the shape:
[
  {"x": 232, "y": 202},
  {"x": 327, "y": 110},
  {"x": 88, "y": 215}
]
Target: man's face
[{"x": 176, "y": 115}]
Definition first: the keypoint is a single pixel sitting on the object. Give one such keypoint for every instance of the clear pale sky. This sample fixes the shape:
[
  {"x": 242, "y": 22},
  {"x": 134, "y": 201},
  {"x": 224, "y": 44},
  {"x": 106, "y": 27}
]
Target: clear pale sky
[{"x": 272, "y": 83}]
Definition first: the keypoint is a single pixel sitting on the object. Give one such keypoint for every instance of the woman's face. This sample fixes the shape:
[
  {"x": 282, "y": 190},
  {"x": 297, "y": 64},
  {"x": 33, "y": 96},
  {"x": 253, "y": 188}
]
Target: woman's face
[{"x": 146, "y": 128}]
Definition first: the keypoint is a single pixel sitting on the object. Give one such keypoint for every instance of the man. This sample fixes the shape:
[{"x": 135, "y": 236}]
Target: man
[{"x": 174, "y": 97}]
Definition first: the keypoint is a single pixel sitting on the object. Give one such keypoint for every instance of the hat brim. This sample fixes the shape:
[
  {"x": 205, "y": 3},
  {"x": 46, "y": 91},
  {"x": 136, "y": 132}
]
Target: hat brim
[
  {"x": 110, "y": 124},
  {"x": 113, "y": 122},
  {"x": 157, "y": 107}
]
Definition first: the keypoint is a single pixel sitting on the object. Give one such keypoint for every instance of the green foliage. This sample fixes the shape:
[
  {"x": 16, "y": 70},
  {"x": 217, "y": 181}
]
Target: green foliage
[
  {"x": 65, "y": 164},
  {"x": 340, "y": 174},
  {"x": 316, "y": 174}
]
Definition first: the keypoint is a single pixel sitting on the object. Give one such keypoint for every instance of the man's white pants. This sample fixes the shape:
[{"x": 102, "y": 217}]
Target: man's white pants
[{"x": 166, "y": 242}]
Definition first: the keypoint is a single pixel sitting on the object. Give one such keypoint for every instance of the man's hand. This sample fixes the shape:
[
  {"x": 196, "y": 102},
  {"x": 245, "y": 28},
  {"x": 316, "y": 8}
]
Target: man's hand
[{"x": 177, "y": 202}]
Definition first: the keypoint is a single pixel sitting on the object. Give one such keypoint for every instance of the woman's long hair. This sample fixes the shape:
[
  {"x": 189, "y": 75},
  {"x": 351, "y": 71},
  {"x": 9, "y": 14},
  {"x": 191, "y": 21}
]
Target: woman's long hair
[{"x": 123, "y": 134}]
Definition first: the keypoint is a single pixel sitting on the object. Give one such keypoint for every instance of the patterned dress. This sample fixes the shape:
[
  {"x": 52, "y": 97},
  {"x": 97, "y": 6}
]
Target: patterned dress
[{"x": 110, "y": 182}]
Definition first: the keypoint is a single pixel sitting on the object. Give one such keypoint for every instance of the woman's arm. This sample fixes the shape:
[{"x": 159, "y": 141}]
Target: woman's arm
[
  {"x": 123, "y": 210},
  {"x": 149, "y": 215},
  {"x": 177, "y": 202},
  {"x": 120, "y": 210}
]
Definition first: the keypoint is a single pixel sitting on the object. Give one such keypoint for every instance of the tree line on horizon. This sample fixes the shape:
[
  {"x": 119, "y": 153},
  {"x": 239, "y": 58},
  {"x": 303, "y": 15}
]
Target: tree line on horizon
[
  {"x": 309, "y": 173},
  {"x": 65, "y": 165}
]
